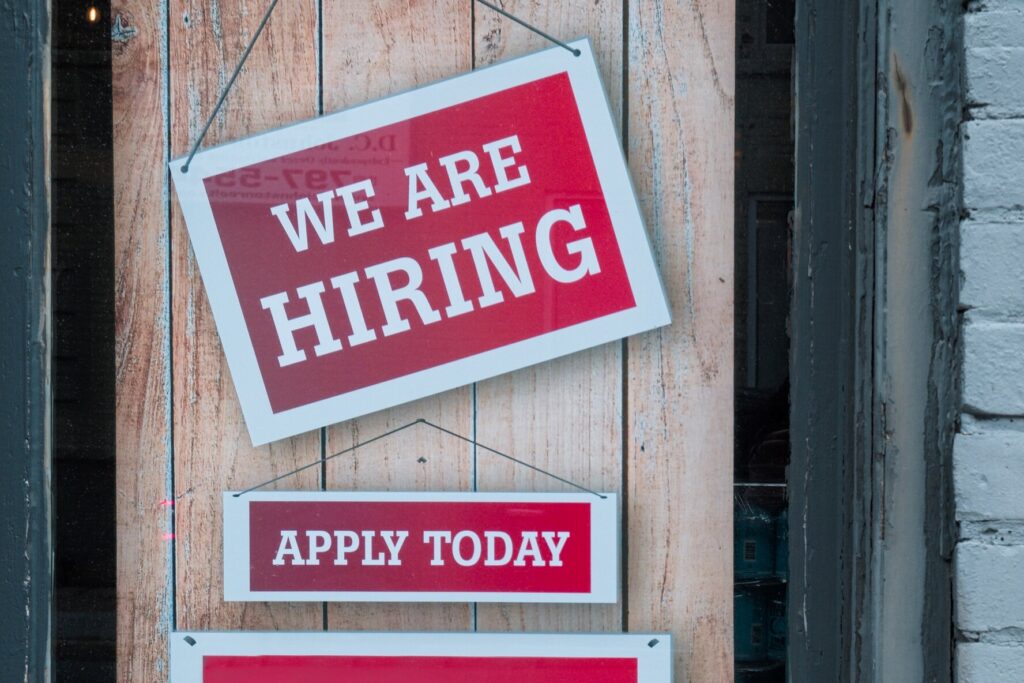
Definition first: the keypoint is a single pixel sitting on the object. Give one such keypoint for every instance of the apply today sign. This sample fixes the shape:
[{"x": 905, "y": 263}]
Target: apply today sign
[
  {"x": 421, "y": 242},
  {"x": 415, "y": 547},
  {"x": 203, "y": 657}
]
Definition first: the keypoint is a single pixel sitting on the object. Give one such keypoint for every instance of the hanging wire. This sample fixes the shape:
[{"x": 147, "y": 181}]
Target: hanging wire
[
  {"x": 263, "y": 23},
  {"x": 428, "y": 423},
  {"x": 556, "y": 41},
  {"x": 231, "y": 82}
]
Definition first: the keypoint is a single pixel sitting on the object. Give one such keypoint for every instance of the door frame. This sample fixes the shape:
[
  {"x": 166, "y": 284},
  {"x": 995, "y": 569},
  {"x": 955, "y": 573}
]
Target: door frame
[
  {"x": 874, "y": 339},
  {"x": 26, "y": 551}
]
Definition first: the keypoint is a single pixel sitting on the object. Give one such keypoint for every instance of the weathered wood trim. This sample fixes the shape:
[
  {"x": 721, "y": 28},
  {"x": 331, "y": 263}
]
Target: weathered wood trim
[
  {"x": 831, "y": 421},
  {"x": 874, "y": 340},
  {"x": 26, "y": 546},
  {"x": 917, "y": 369}
]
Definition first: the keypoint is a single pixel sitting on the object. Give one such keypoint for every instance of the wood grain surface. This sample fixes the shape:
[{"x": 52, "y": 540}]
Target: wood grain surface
[
  {"x": 212, "y": 450},
  {"x": 650, "y": 418},
  {"x": 142, "y": 328},
  {"x": 680, "y": 394}
]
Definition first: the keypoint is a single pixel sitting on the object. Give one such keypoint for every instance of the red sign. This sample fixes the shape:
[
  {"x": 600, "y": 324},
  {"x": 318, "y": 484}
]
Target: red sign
[
  {"x": 426, "y": 669},
  {"x": 421, "y": 242},
  {"x": 424, "y": 658},
  {"x": 453, "y": 547}
]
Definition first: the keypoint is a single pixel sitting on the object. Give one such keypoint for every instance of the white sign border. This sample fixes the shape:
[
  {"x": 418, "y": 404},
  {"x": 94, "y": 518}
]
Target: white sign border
[
  {"x": 605, "y": 559},
  {"x": 652, "y": 651},
  {"x": 651, "y": 308}
]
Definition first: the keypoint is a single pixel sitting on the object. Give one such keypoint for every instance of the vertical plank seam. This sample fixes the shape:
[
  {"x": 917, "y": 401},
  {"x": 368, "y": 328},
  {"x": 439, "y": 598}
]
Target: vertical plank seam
[
  {"x": 325, "y": 625},
  {"x": 172, "y": 546},
  {"x": 320, "y": 60},
  {"x": 323, "y": 487},
  {"x": 474, "y": 607},
  {"x": 624, "y": 372}
]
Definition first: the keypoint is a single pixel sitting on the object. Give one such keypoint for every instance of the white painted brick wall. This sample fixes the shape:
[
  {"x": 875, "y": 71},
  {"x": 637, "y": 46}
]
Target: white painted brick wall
[
  {"x": 993, "y": 161},
  {"x": 995, "y": 58},
  {"x": 987, "y": 69},
  {"x": 999, "y": 23},
  {"x": 989, "y": 461},
  {"x": 989, "y": 586},
  {"x": 985, "y": 663},
  {"x": 989, "y": 474},
  {"x": 993, "y": 366},
  {"x": 993, "y": 255}
]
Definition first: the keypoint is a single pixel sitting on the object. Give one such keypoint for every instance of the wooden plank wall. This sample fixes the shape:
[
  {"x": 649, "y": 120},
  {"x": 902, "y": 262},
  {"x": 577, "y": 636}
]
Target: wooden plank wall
[{"x": 650, "y": 418}]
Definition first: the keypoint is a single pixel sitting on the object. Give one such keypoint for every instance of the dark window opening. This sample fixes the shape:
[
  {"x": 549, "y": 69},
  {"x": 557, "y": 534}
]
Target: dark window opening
[
  {"x": 83, "y": 344},
  {"x": 764, "y": 207}
]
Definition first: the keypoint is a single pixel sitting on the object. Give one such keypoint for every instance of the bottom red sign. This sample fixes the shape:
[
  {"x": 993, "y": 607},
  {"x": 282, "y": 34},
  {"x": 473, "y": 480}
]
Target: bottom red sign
[
  {"x": 420, "y": 657},
  {"x": 427, "y": 669}
]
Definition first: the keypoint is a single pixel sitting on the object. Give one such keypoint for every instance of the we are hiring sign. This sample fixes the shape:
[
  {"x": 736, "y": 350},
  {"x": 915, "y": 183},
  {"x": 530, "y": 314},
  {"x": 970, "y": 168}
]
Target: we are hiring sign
[{"x": 421, "y": 242}]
